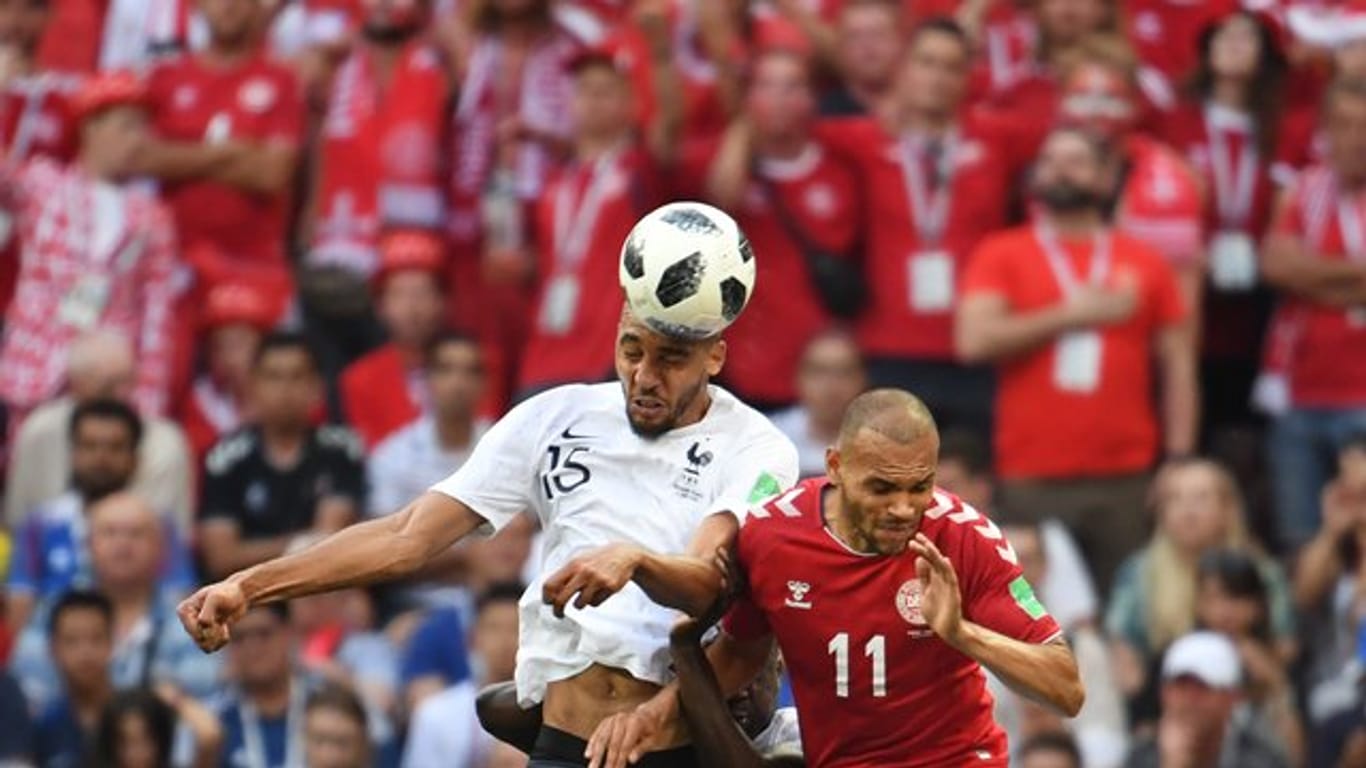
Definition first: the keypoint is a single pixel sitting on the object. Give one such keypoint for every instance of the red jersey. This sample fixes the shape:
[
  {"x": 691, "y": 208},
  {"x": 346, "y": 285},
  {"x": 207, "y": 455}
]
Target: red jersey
[
  {"x": 1162, "y": 203},
  {"x": 379, "y": 394},
  {"x": 1166, "y": 33},
  {"x": 1324, "y": 346},
  {"x": 257, "y": 101},
  {"x": 925, "y": 209},
  {"x": 875, "y": 686},
  {"x": 581, "y": 222},
  {"x": 819, "y": 193},
  {"x": 1049, "y": 424}
]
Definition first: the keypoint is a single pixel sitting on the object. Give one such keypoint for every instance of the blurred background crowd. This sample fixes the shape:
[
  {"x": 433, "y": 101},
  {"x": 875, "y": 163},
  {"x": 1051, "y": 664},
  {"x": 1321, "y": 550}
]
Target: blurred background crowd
[{"x": 271, "y": 267}]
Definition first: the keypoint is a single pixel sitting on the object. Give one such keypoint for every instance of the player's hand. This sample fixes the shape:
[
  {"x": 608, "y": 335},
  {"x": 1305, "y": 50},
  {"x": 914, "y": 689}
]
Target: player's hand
[
  {"x": 941, "y": 603},
  {"x": 1090, "y": 306},
  {"x": 208, "y": 614},
  {"x": 594, "y": 577},
  {"x": 624, "y": 738}
]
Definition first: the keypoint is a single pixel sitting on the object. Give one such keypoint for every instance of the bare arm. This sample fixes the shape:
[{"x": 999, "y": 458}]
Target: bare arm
[
  {"x": 379, "y": 550},
  {"x": 260, "y": 169},
  {"x": 988, "y": 331},
  {"x": 661, "y": 135},
  {"x": 1288, "y": 266},
  {"x": 1180, "y": 389},
  {"x": 728, "y": 175}
]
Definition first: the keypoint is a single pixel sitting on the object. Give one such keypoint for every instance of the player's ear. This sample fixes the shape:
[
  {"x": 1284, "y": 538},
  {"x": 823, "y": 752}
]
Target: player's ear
[
  {"x": 832, "y": 465},
  {"x": 716, "y": 357}
]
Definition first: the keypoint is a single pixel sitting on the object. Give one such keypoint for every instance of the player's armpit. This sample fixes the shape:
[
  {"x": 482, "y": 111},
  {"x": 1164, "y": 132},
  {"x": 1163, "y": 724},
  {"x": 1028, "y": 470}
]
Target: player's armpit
[{"x": 500, "y": 715}]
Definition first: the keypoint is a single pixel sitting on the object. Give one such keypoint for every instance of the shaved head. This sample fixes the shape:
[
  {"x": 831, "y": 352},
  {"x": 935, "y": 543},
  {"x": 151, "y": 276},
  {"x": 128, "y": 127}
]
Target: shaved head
[{"x": 895, "y": 414}]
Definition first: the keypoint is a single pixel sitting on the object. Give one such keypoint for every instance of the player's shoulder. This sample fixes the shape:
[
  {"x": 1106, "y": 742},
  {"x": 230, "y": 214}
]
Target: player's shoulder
[
  {"x": 551, "y": 410},
  {"x": 957, "y": 527},
  {"x": 788, "y": 509},
  {"x": 747, "y": 425},
  {"x": 231, "y": 452}
]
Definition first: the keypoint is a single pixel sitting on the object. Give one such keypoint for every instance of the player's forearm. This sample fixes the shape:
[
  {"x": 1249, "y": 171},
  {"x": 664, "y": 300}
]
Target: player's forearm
[
  {"x": 1180, "y": 392},
  {"x": 682, "y": 582},
  {"x": 988, "y": 336},
  {"x": 1043, "y": 672},
  {"x": 379, "y": 550},
  {"x": 1285, "y": 265},
  {"x": 729, "y": 174},
  {"x": 714, "y": 733},
  {"x": 261, "y": 170},
  {"x": 176, "y": 161}
]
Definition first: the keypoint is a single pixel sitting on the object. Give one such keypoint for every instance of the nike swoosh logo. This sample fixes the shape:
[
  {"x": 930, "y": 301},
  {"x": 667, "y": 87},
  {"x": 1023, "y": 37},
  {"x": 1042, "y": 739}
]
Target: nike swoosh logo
[{"x": 567, "y": 435}]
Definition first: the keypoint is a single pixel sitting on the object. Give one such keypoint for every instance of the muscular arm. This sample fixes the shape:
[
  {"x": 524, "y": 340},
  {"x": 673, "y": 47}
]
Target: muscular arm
[
  {"x": 1045, "y": 673},
  {"x": 260, "y": 169},
  {"x": 987, "y": 330},
  {"x": 1180, "y": 389},
  {"x": 1287, "y": 265}
]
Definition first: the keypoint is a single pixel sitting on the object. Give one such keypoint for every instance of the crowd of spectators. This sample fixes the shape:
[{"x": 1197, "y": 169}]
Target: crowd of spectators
[{"x": 269, "y": 268}]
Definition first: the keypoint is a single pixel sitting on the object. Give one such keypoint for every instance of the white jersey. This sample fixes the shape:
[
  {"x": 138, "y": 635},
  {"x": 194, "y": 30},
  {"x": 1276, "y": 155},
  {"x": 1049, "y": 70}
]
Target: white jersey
[{"x": 570, "y": 456}]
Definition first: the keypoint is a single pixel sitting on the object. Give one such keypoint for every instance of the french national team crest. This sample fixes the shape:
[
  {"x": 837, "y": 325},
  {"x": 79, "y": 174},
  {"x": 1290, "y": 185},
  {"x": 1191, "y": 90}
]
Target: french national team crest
[{"x": 908, "y": 603}]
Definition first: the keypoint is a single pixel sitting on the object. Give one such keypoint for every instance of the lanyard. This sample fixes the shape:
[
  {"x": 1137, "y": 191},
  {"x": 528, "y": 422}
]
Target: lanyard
[
  {"x": 929, "y": 211},
  {"x": 1233, "y": 186},
  {"x": 1061, "y": 266},
  {"x": 575, "y": 219},
  {"x": 255, "y": 743}
]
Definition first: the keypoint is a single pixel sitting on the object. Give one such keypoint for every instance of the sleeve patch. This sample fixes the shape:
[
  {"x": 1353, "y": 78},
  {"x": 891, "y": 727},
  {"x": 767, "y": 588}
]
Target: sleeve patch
[
  {"x": 765, "y": 487},
  {"x": 1025, "y": 598}
]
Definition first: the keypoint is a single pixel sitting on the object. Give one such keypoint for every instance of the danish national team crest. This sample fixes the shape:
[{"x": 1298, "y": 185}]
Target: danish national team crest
[{"x": 908, "y": 603}]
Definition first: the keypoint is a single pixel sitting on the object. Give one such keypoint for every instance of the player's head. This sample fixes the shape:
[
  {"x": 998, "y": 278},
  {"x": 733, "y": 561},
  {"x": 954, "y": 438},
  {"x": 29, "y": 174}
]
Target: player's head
[
  {"x": 753, "y": 707},
  {"x": 1099, "y": 91},
  {"x": 665, "y": 378},
  {"x": 1073, "y": 173},
  {"x": 933, "y": 79},
  {"x": 231, "y": 23},
  {"x": 1344, "y": 122},
  {"x": 22, "y": 23},
  {"x": 883, "y": 468},
  {"x": 285, "y": 385},
  {"x": 336, "y": 730}
]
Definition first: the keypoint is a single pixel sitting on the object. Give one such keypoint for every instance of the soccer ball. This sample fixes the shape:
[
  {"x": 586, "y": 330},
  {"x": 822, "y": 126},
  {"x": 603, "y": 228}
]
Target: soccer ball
[{"x": 687, "y": 270}]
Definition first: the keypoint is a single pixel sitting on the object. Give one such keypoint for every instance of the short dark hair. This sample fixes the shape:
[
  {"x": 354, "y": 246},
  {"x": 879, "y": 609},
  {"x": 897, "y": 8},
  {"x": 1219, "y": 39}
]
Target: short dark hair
[
  {"x": 940, "y": 25},
  {"x": 1239, "y": 576},
  {"x": 449, "y": 337},
  {"x": 499, "y": 592},
  {"x": 341, "y": 699},
  {"x": 1355, "y": 441},
  {"x": 967, "y": 448},
  {"x": 286, "y": 340},
  {"x": 107, "y": 409},
  {"x": 79, "y": 600},
  {"x": 145, "y": 705},
  {"x": 1052, "y": 741}
]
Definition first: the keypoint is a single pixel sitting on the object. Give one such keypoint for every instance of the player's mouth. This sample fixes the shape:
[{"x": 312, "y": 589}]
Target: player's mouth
[{"x": 647, "y": 407}]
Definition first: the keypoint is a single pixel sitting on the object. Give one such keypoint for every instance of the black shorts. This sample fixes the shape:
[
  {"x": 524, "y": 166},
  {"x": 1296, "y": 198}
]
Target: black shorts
[{"x": 557, "y": 749}]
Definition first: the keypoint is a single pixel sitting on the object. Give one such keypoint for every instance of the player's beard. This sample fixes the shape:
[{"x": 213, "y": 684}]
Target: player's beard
[
  {"x": 680, "y": 407},
  {"x": 865, "y": 532}
]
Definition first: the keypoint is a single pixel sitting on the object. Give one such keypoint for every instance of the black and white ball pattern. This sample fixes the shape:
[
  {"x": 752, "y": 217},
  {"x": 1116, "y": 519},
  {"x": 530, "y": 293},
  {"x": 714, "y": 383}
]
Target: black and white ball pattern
[{"x": 687, "y": 270}]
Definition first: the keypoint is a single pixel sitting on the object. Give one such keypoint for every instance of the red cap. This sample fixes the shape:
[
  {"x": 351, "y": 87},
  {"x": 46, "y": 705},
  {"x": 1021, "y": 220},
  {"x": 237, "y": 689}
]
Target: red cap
[
  {"x": 231, "y": 303},
  {"x": 410, "y": 249},
  {"x": 109, "y": 89},
  {"x": 612, "y": 55}
]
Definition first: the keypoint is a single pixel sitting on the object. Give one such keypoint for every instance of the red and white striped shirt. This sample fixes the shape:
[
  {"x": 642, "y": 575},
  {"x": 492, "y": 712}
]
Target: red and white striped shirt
[{"x": 92, "y": 255}]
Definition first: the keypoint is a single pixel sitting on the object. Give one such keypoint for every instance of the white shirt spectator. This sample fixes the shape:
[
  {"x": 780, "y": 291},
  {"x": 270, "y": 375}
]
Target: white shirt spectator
[
  {"x": 445, "y": 732},
  {"x": 794, "y": 423},
  {"x": 407, "y": 463}
]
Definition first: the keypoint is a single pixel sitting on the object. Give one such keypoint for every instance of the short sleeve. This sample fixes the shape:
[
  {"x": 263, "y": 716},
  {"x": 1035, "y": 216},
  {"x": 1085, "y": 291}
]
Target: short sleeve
[
  {"x": 1169, "y": 308},
  {"x": 761, "y": 468},
  {"x": 498, "y": 481},
  {"x": 223, "y": 491},
  {"x": 987, "y": 273},
  {"x": 347, "y": 459},
  {"x": 996, "y": 594}
]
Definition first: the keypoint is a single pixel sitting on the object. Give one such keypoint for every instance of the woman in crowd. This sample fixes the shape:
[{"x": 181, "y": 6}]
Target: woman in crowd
[{"x": 138, "y": 729}]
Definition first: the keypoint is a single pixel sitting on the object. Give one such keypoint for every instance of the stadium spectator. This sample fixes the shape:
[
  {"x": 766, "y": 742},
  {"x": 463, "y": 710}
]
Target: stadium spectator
[
  {"x": 1156, "y": 199},
  {"x": 141, "y": 727},
  {"x": 383, "y": 390},
  {"x": 936, "y": 180},
  {"x": 1198, "y": 509},
  {"x": 335, "y": 731},
  {"x": 1317, "y": 349},
  {"x": 829, "y": 377},
  {"x": 280, "y": 476},
  {"x": 380, "y": 151},
  {"x": 1166, "y": 34},
  {"x": 1235, "y": 131},
  {"x": 99, "y": 365},
  {"x": 798, "y": 203},
  {"x": 16, "y": 738},
  {"x": 36, "y": 106},
  {"x": 52, "y": 552},
  {"x": 1201, "y": 686},
  {"x": 235, "y": 318},
  {"x": 1050, "y": 750},
  {"x": 128, "y": 552},
  {"x": 868, "y": 46},
  {"x": 433, "y": 739},
  {"x": 614, "y": 174},
  {"x": 80, "y": 632},
  {"x": 96, "y": 252},
  {"x": 1072, "y": 311},
  {"x": 263, "y": 716},
  {"x": 1232, "y": 598}
]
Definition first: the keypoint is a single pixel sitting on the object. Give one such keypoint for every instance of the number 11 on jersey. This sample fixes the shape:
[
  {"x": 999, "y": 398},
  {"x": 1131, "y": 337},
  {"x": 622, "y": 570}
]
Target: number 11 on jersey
[{"x": 875, "y": 649}]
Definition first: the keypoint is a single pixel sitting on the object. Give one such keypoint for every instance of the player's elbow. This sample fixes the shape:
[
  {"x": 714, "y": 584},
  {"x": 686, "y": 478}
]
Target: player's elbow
[{"x": 1072, "y": 697}]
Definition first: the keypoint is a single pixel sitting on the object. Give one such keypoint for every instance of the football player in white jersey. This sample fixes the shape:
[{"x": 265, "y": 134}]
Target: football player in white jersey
[{"x": 641, "y": 463}]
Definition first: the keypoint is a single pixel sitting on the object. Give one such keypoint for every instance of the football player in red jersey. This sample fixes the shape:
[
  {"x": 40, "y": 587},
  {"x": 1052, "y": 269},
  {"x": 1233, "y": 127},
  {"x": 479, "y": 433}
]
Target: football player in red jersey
[{"x": 886, "y": 596}]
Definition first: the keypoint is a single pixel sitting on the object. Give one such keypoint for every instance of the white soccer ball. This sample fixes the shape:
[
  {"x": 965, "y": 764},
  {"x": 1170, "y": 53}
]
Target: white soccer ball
[{"x": 687, "y": 270}]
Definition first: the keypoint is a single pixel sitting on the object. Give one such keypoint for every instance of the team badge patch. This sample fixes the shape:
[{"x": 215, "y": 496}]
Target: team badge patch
[
  {"x": 908, "y": 602},
  {"x": 765, "y": 487},
  {"x": 1024, "y": 597}
]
